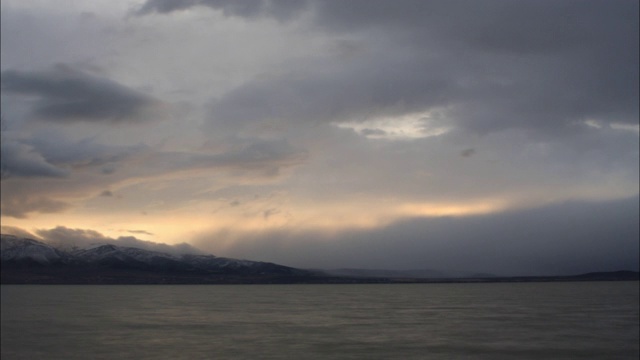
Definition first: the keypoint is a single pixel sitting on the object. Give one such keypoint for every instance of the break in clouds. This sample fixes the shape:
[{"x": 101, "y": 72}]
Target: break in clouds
[{"x": 356, "y": 128}]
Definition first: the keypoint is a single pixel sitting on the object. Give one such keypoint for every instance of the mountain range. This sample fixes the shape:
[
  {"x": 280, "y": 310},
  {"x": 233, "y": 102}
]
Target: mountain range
[{"x": 28, "y": 261}]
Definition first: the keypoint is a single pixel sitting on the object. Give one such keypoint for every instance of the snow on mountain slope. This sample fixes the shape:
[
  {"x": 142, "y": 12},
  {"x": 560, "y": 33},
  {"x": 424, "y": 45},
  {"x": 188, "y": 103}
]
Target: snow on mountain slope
[
  {"x": 15, "y": 249},
  {"x": 102, "y": 252},
  {"x": 129, "y": 257}
]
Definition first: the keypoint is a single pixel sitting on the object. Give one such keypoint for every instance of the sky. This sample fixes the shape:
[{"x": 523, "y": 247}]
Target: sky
[{"x": 498, "y": 136}]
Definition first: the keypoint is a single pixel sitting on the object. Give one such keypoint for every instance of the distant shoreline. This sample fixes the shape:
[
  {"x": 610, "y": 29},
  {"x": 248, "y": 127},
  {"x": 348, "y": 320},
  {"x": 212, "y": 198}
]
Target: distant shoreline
[{"x": 61, "y": 276}]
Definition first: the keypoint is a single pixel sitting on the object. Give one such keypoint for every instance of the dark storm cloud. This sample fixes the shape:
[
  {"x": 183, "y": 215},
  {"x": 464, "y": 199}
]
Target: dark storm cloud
[
  {"x": 64, "y": 237},
  {"x": 66, "y": 95},
  {"x": 569, "y": 238},
  {"x": 540, "y": 65}
]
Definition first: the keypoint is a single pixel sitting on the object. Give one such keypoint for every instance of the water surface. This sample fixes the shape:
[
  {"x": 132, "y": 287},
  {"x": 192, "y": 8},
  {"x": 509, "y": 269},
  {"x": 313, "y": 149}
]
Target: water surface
[{"x": 565, "y": 320}]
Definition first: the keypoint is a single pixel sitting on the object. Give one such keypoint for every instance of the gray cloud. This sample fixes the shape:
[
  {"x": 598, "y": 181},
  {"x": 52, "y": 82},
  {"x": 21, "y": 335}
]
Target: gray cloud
[
  {"x": 67, "y": 238},
  {"x": 568, "y": 238},
  {"x": 55, "y": 156},
  {"x": 20, "y": 205},
  {"x": 493, "y": 65},
  {"x": 16, "y": 231},
  {"x": 368, "y": 131},
  {"x": 108, "y": 169},
  {"x": 468, "y": 152},
  {"x": 255, "y": 156},
  {"x": 252, "y": 160},
  {"x": 22, "y": 160},
  {"x": 67, "y": 95},
  {"x": 331, "y": 90},
  {"x": 86, "y": 152},
  {"x": 281, "y": 10},
  {"x": 257, "y": 152}
]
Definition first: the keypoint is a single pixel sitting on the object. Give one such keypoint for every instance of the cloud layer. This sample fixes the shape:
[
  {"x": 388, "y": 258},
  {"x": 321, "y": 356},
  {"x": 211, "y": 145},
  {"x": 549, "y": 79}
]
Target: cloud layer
[
  {"x": 273, "y": 129},
  {"x": 490, "y": 65}
]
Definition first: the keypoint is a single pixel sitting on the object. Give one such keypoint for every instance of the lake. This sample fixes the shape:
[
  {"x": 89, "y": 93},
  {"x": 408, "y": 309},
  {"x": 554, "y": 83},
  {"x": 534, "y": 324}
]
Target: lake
[{"x": 560, "y": 320}]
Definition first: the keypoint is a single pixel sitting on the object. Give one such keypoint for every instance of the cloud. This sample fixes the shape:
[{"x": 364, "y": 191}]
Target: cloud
[
  {"x": 327, "y": 90},
  {"x": 269, "y": 212},
  {"x": 67, "y": 238},
  {"x": 23, "y": 160},
  {"x": 487, "y": 66},
  {"x": 42, "y": 155},
  {"x": 241, "y": 161},
  {"x": 373, "y": 132},
  {"x": 16, "y": 231},
  {"x": 260, "y": 153},
  {"x": 108, "y": 169},
  {"x": 245, "y": 157},
  {"x": 21, "y": 206},
  {"x": 567, "y": 238},
  {"x": 342, "y": 108},
  {"x": 468, "y": 152},
  {"x": 68, "y": 95},
  {"x": 143, "y": 232},
  {"x": 281, "y": 10},
  {"x": 86, "y": 152}
]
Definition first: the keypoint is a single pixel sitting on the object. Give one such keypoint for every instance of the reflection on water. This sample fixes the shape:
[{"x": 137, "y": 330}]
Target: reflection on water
[{"x": 596, "y": 320}]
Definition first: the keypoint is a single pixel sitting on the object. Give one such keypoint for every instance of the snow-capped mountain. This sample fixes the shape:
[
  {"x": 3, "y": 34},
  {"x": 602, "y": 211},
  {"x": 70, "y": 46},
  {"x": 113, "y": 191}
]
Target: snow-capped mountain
[
  {"x": 19, "y": 250},
  {"x": 127, "y": 257}
]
